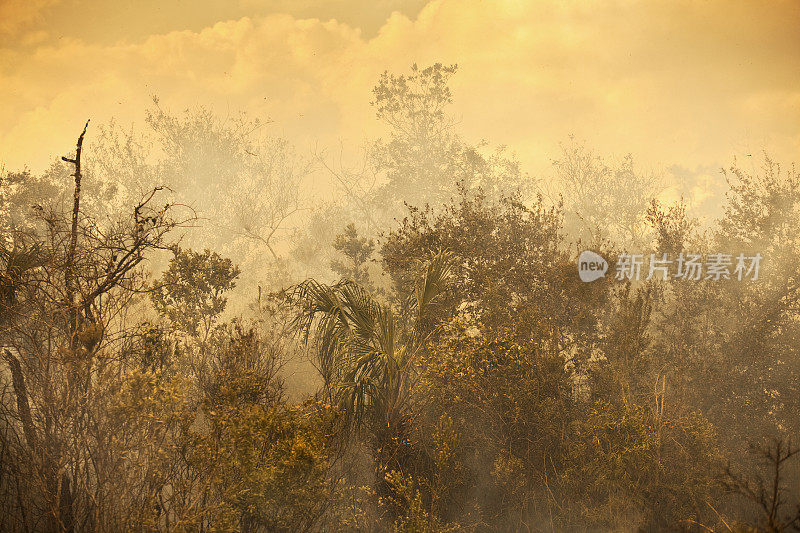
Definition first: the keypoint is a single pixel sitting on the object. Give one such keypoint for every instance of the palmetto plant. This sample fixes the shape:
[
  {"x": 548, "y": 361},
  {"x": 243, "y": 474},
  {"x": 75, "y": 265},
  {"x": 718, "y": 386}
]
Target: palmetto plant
[{"x": 364, "y": 349}]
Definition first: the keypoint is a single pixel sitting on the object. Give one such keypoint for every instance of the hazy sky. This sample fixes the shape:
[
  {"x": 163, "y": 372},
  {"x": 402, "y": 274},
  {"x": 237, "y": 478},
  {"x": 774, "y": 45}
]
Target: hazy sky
[{"x": 673, "y": 82}]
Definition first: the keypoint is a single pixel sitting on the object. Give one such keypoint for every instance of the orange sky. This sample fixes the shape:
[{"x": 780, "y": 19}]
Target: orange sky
[{"x": 673, "y": 82}]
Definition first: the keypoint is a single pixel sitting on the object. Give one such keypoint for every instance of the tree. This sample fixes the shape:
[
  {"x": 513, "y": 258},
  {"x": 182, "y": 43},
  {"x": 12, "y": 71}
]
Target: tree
[
  {"x": 191, "y": 292},
  {"x": 68, "y": 282},
  {"x": 603, "y": 201},
  {"x": 422, "y": 159},
  {"x": 511, "y": 261},
  {"x": 357, "y": 252},
  {"x": 249, "y": 184},
  {"x": 768, "y": 490},
  {"x": 508, "y": 404},
  {"x": 733, "y": 345},
  {"x": 256, "y": 463},
  {"x": 367, "y": 354}
]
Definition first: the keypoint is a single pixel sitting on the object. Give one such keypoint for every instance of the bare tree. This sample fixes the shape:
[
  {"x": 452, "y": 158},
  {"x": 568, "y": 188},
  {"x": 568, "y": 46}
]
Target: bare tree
[
  {"x": 769, "y": 491},
  {"x": 66, "y": 284}
]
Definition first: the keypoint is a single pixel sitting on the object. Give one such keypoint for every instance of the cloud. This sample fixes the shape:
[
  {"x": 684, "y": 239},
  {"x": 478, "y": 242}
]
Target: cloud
[{"x": 16, "y": 15}]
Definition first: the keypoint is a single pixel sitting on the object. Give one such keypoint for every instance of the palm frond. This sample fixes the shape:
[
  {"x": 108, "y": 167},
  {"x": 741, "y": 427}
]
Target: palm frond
[
  {"x": 436, "y": 278},
  {"x": 358, "y": 341}
]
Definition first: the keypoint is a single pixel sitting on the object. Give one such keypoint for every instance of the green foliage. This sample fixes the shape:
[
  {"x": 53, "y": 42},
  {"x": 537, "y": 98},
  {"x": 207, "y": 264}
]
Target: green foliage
[
  {"x": 509, "y": 404},
  {"x": 267, "y": 461},
  {"x": 266, "y": 465},
  {"x": 499, "y": 244},
  {"x": 191, "y": 291},
  {"x": 623, "y": 374},
  {"x": 357, "y": 252},
  {"x": 626, "y": 466},
  {"x": 368, "y": 357},
  {"x": 133, "y": 444},
  {"x": 406, "y": 502},
  {"x": 365, "y": 352},
  {"x": 512, "y": 271}
]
